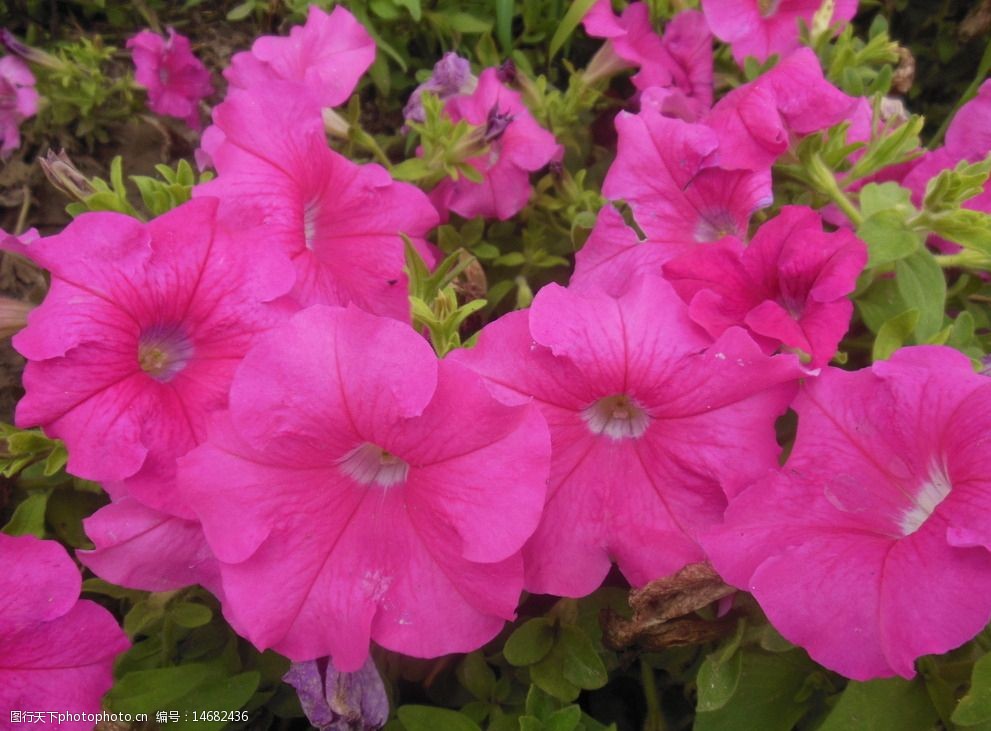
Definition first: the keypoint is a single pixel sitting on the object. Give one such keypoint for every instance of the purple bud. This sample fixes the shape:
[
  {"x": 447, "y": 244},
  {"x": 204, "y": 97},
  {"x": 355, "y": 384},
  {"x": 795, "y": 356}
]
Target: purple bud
[
  {"x": 65, "y": 176},
  {"x": 15, "y": 47},
  {"x": 506, "y": 73},
  {"x": 335, "y": 701},
  {"x": 451, "y": 76},
  {"x": 496, "y": 124}
]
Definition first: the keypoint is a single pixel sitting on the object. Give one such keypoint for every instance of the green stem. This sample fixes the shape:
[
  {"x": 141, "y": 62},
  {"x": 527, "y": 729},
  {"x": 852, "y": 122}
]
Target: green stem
[{"x": 655, "y": 718}]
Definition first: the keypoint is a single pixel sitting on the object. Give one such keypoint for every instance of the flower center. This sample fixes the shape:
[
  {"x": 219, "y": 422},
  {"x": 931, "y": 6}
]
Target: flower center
[
  {"x": 369, "y": 464},
  {"x": 163, "y": 352},
  {"x": 713, "y": 225},
  {"x": 926, "y": 500},
  {"x": 617, "y": 417},
  {"x": 768, "y": 8},
  {"x": 310, "y": 213}
]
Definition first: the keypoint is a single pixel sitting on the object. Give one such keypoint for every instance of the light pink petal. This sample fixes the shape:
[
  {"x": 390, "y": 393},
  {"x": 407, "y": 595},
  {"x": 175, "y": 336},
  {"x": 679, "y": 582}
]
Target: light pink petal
[{"x": 141, "y": 548}]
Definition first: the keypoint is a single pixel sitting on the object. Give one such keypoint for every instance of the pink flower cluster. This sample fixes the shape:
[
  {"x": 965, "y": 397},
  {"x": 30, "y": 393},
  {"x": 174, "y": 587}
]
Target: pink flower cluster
[
  {"x": 175, "y": 79},
  {"x": 241, "y": 375}
]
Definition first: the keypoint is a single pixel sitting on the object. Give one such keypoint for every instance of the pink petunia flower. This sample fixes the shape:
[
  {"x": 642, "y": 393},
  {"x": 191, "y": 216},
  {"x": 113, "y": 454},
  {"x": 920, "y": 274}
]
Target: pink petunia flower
[
  {"x": 139, "y": 336},
  {"x": 680, "y": 60},
  {"x": 652, "y": 424},
  {"x": 325, "y": 58},
  {"x": 387, "y": 494},
  {"x": 18, "y": 101},
  {"x": 669, "y": 172},
  {"x": 175, "y": 79},
  {"x": 339, "y": 222},
  {"x": 870, "y": 547},
  {"x": 760, "y": 28},
  {"x": 757, "y": 122},
  {"x": 56, "y": 652},
  {"x": 517, "y": 146},
  {"x": 789, "y": 287}
]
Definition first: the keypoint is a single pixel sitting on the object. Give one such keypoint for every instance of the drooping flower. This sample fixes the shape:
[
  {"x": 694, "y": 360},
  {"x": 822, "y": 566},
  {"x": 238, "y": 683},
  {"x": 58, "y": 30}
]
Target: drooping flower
[
  {"x": 760, "y": 28},
  {"x": 336, "y": 701},
  {"x": 325, "y": 58},
  {"x": 680, "y": 60},
  {"x": 339, "y": 222},
  {"x": 18, "y": 101},
  {"x": 669, "y": 172},
  {"x": 451, "y": 76},
  {"x": 387, "y": 494},
  {"x": 870, "y": 547},
  {"x": 139, "y": 336},
  {"x": 759, "y": 121},
  {"x": 516, "y": 147},
  {"x": 789, "y": 287},
  {"x": 56, "y": 652},
  {"x": 175, "y": 79},
  {"x": 652, "y": 424}
]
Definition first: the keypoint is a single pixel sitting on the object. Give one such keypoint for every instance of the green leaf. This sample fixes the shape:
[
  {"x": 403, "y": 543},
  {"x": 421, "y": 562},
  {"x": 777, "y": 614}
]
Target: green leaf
[
  {"x": 242, "y": 11},
  {"x": 476, "y": 676},
  {"x": 717, "y": 681},
  {"x": 568, "y": 23},
  {"x": 29, "y": 516},
  {"x": 161, "y": 688},
  {"x": 504, "y": 23},
  {"x": 888, "y": 238},
  {"x": 530, "y": 642},
  {"x": 582, "y": 664},
  {"x": 891, "y": 704},
  {"x": 921, "y": 284},
  {"x": 975, "y": 707},
  {"x": 548, "y": 675},
  {"x": 224, "y": 694},
  {"x": 467, "y": 23},
  {"x": 190, "y": 614},
  {"x": 894, "y": 334},
  {"x": 766, "y": 695},
  {"x": 567, "y": 719},
  {"x": 429, "y": 718}
]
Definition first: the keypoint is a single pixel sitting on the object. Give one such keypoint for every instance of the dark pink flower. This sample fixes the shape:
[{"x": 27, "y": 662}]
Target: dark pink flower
[
  {"x": 517, "y": 146},
  {"x": 175, "y": 79},
  {"x": 669, "y": 172},
  {"x": 385, "y": 493},
  {"x": 139, "y": 336},
  {"x": 681, "y": 60},
  {"x": 789, "y": 287},
  {"x": 18, "y": 101},
  {"x": 339, "y": 222},
  {"x": 758, "y": 121},
  {"x": 56, "y": 652},
  {"x": 760, "y": 28},
  {"x": 325, "y": 58},
  {"x": 870, "y": 547},
  {"x": 652, "y": 424}
]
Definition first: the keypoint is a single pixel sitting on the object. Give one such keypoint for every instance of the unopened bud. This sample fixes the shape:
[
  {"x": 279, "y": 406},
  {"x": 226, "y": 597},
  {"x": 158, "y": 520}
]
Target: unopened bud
[
  {"x": 14, "y": 46},
  {"x": 335, "y": 124},
  {"x": 65, "y": 176},
  {"x": 13, "y": 316}
]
